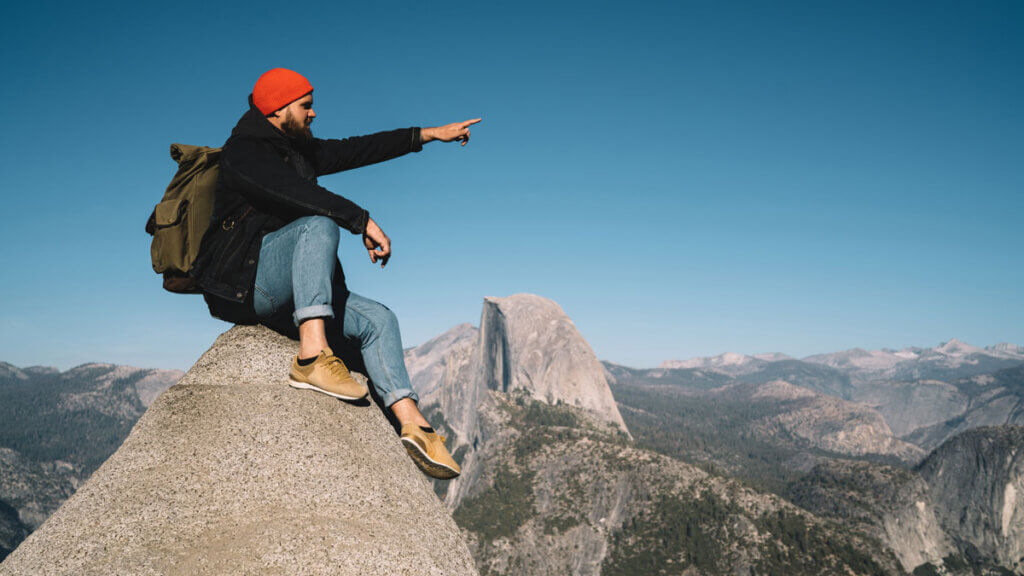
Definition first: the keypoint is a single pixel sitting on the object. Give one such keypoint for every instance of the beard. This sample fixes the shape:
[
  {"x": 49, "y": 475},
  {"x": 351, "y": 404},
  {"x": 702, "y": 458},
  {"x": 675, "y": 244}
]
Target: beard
[{"x": 296, "y": 129}]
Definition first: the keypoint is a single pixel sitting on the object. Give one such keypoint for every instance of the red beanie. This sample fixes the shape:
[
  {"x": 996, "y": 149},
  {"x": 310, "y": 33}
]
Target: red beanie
[{"x": 278, "y": 88}]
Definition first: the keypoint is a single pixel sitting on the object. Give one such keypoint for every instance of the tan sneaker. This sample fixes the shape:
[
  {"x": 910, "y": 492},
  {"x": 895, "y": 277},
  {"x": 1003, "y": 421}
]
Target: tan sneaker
[
  {"x": 428, "y": 451},
  {"x": 327, "y": 374}
]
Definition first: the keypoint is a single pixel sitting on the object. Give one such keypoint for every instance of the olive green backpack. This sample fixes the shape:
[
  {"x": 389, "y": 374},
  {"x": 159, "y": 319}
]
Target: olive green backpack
[{"x": 179, "y": 221}]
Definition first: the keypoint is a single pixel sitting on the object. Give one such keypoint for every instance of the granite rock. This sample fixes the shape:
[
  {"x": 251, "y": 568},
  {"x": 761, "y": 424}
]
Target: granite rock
[{"x": 231, "y": 471}]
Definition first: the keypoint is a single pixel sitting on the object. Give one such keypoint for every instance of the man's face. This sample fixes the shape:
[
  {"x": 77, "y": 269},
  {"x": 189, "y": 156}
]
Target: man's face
[{"x": 297, "y": 118}]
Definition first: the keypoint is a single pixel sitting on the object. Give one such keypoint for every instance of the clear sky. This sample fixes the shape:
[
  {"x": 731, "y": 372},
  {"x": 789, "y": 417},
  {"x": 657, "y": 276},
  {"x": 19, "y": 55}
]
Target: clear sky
[{"x": 684, "y": 178}]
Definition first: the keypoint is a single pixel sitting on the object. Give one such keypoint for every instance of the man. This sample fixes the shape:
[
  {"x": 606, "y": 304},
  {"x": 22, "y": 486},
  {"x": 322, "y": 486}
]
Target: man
[{"x": 270, "y": 253}]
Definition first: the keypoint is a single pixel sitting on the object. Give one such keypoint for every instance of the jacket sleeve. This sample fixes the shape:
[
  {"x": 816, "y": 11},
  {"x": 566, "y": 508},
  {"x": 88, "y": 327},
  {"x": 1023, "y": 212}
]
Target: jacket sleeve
[
  {"x": 336, "y": 155},
  {"x": 261, "y": 176}
]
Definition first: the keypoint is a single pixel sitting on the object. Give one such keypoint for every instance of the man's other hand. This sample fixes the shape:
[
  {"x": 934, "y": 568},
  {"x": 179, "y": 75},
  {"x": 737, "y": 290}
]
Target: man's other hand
[
  {"x": 377, "y": 243},
  {"x": 449, "y": 132}
]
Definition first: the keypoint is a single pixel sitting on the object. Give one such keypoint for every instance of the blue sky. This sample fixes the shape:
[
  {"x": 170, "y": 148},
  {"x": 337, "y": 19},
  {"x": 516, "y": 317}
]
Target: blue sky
[{"x": 684, "y": 178}]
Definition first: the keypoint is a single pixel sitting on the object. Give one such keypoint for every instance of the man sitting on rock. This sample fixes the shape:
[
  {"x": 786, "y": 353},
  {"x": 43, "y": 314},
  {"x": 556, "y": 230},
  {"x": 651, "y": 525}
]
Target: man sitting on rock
[{"x": 270, "y": 253}]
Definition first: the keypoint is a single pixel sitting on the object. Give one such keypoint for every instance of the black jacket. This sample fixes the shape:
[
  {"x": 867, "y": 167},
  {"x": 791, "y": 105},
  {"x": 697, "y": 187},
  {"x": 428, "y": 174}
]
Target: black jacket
[{"x": 267, "y": 180}]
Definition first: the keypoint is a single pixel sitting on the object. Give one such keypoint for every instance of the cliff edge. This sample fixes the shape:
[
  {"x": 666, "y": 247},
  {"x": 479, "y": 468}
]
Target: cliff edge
[{"x": 232, "y": 471}]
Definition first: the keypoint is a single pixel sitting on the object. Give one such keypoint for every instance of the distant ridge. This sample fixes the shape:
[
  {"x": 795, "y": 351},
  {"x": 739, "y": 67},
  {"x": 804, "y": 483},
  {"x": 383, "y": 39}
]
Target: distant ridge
[{"x": 911, "y": 362}]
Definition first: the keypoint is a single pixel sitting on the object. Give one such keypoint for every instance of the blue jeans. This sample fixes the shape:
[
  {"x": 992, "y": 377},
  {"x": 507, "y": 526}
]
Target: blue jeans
[{"x": 296, "y": 278}]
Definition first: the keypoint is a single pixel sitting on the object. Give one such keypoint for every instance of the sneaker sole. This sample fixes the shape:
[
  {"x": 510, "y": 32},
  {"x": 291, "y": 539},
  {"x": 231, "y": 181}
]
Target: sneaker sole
[
  {"x": 306, "y": 386},
  {"x": 432, "y": 468}
]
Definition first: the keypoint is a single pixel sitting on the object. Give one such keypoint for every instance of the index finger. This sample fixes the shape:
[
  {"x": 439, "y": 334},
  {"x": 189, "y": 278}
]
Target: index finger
[{"x": 471, "y": 122}]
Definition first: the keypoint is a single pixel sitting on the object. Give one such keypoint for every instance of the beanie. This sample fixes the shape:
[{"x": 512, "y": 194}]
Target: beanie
[{"x": 278, "y": 88}]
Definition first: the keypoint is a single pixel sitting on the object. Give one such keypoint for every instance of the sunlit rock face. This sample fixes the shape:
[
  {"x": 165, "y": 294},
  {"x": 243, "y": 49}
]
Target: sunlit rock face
[
  {"x": 527, "y": 343},
  {"x": 976, "y": 481}
]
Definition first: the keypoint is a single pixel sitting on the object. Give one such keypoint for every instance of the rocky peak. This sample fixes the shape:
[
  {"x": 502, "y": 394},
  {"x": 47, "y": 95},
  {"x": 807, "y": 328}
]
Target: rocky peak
[
  {"x": 528, "y": 344},
  {"x": 956, "y": 347},
  {"x": 859, "y": 359},
  {"x": 231, "y": 471},
  {"x": 728, "y": 363}
]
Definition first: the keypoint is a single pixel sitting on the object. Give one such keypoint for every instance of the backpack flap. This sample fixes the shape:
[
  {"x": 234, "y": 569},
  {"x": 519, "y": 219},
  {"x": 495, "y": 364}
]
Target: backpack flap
[{"x": 169, "y": 213}]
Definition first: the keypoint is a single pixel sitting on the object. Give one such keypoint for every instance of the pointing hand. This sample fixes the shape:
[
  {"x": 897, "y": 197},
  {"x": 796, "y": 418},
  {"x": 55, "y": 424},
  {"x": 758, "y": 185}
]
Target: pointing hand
[{"x": 456, "y": 131}]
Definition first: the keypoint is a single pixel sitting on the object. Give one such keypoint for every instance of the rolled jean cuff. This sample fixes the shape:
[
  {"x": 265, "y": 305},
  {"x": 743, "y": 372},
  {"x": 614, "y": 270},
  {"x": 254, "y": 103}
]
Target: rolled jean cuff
[
  {"x": 396, "y": 395},
  {"x": 318, "y": 311}
]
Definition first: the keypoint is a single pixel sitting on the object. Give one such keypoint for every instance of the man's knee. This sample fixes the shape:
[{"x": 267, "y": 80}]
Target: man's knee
[
  {"x": 388, "y": 319},
  {"x": 380, "y": 320},
  {"x": 384, "y": 320},
  {"x": 321, "y": 227}
]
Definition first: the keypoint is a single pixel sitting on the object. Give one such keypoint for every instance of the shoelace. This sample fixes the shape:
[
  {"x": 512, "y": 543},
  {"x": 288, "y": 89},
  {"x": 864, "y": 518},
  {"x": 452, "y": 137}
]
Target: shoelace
[{"x": 337, "y": 367}]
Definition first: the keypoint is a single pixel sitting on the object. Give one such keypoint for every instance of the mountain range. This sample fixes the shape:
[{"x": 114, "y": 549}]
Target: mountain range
[
  {"x": 925, "y": 395},
  {"x": 855, "y": 462},
  {"x": 949, "y": 360},
  {"x": 851, "y": 463}
]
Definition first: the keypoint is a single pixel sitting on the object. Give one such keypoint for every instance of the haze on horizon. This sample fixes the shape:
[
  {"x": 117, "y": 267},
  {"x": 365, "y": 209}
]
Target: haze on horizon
[{"x": 683, "y": 179}]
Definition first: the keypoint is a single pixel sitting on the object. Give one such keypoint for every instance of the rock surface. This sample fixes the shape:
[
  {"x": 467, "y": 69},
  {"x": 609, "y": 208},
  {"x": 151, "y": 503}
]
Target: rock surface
[
  {"x": 891, "y": 504},
  {"x": 528, "y": 343},
  {"x": 976, "y": 480},
  {"x": 827, "y": 422},
  {"x": 230, "y": 471},
  {"x": 959, "y": 507},
  {"x": 908, "y": 406}
]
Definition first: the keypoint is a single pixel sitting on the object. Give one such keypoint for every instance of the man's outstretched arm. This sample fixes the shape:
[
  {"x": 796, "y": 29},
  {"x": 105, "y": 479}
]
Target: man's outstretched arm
[{"x": 337, "y": 155}]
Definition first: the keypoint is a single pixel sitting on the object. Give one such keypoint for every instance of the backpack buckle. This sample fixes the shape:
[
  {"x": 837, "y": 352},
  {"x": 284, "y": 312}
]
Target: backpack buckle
[{"x": 227, "y": 225}]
